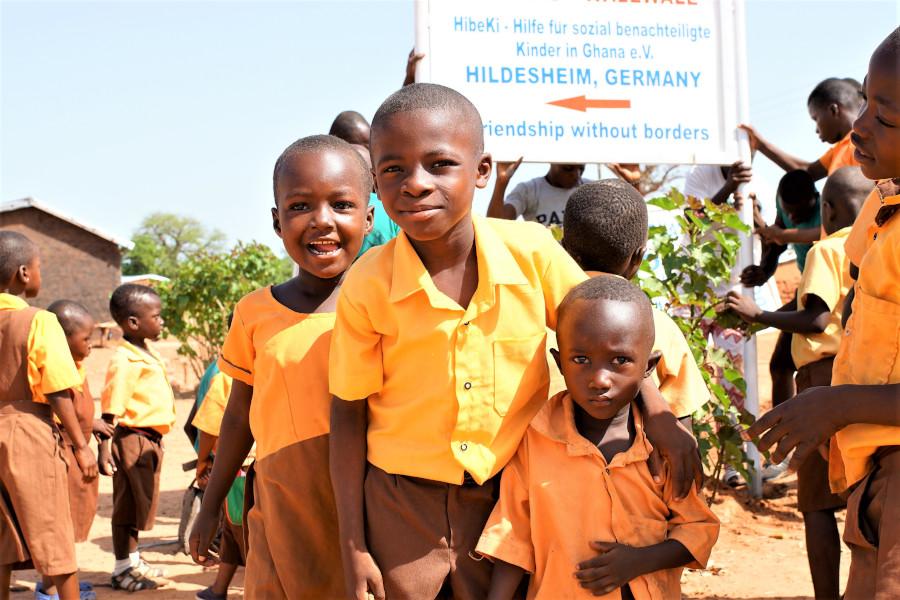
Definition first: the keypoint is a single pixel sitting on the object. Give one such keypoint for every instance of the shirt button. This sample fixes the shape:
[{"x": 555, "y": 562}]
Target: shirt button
[
  {"x": 464, "y": 446},
  {"x": 467, "y": 385},
  {"x": 607, "y": 470},
  {"x": 466, "y": 323}
]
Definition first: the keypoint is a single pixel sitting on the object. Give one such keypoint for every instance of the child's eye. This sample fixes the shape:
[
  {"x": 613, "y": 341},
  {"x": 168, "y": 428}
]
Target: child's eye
[
  {"x": 443, "y": 164},
  {"x": 344, "y": 205},
  {"x": 391, "y": 169},
  {"x": 580, "y": 360},
  {"x": 298, "y": 206},
  {"x": 621, "y": 360},
  {"x": 885, "y": 123}
]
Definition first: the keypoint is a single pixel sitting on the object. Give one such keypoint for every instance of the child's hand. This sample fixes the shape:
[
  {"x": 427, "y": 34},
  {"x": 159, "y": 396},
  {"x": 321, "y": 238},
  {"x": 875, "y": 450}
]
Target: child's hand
[
  {"x": 738, "y": 173},
  {"x": 411, "y": 61},
  {"x": 86, "y": 462},
  {"x": 772, "y": 234},
  {"x": 364, "y": 580},
  {"x": 103, "y": 428},
  {"x": 506, "y": 170},
  {"x": 203, "y": 472},
  {"x": 753, "y": 276},
  {"x": 614, "y": 567},
  {"x": 104, "y": 460},
  {"x": 752, "y": 134},
  {"x": 205, "y": 527},
  {"x": 745, "y": 307}
]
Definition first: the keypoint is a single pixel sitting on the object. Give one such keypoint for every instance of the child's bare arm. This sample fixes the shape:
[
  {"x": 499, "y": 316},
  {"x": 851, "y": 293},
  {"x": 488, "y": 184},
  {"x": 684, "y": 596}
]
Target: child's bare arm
[
  {"x": 61, "y": 403},
  {"x": 207, "y": 443},
  {"x": 505, "y": 580},
  {"x": 497, "y": 208},
  {"x": 347, "y": 457},
  {"x": 235, "y": 431},
  {"x": 812, "y": 319},
  {"x": 782, "y": 158},
  {"x": 617, "y": 564},
  {"x": 105, "y": 463},
  {"x": 805, "y": 421}
]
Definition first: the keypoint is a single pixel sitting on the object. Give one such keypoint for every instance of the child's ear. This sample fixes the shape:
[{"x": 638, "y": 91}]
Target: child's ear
[
  {"x": 276, "y": 224},
  {"x": 485, "y": 166},
  {"x": 655, "y": 356},
  {"x": 23, "y": 275},
  {"x": 834, "y": 109},
  {"x": 370, "y": 219},
  {"x": 132, "y": 323},
  {"x": 634, "y": 264},
  {"x": 555, "y": 354}
]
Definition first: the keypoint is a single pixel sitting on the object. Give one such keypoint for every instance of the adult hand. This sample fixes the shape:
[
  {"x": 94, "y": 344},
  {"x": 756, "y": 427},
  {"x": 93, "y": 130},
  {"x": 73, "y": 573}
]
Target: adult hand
[
  {"x": 411, "y": 61},
  {"x": 802, "y": 424},
  {"x": 201, "y": 535},
  {"x": 506, "y": 170},
  {"x": 86, "y": 462},
  {"x": 745, "y": 307},
  {"x": 753, "y": 276},
  {"x": 615, "y": 566}
]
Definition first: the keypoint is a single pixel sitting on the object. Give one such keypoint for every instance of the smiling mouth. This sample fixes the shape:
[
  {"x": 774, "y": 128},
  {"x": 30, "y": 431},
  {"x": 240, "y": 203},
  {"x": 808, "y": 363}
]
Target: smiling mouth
[{"x": 324, "y": 247}]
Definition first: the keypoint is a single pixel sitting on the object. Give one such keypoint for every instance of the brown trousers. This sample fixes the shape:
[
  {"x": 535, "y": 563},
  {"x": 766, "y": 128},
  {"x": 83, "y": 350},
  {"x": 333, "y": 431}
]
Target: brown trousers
[
  {"x": 873, "y": 531},
  {"x": 422, "y": 535},
  {"x": 138, "y": 460}
]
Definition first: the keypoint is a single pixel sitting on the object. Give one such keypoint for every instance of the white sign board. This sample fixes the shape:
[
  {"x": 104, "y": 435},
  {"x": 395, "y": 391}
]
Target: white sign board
[{"x": 633, "y": 81}]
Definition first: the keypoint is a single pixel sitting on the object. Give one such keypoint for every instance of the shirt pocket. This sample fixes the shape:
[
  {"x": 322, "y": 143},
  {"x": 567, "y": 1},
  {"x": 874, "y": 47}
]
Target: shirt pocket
[
  {"x": 520, "y": 369},
  {"x": 874, "y": 340}
]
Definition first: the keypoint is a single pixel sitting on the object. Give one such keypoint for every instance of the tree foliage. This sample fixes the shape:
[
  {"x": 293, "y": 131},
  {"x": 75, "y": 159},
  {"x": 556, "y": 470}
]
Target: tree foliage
[
  {"x": 164, "y": 239},
  {"x": 205, "y": 288}
]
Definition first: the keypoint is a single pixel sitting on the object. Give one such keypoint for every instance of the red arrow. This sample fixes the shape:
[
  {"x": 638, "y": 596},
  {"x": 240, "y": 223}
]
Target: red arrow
[{"x": 581, "y": 103}]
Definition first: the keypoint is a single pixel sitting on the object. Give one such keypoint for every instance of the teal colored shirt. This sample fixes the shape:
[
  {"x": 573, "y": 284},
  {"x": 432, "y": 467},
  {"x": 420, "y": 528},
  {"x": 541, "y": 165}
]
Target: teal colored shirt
[
  {"x": 202, "y": 388},
  {"x": 383, "y": 229},
  {"x": 815, "y": 222}
]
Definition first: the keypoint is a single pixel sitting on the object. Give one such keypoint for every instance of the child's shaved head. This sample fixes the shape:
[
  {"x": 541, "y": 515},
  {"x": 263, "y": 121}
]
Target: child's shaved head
[
  {"x": 844, "y": 193},
  {"x": 322, "y": 143},
  {"x": 431, "y": 96},
  {"x": 351, "y": 127},
  {"x": 71, "y": 315},
  {"x": 126, "y": 298},
  {"x": 605, "y": 223},
  {"x": 610, "y": 287},
  {"x": 16, "y": 250},
  {"x": 845, "y": 92}
]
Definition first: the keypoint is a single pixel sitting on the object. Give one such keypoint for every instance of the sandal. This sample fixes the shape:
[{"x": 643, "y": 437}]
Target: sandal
[
  {"x": 147, "y": 570},
  {"x": 86, "y": 591},
  {"x": 131, "y": 580}
]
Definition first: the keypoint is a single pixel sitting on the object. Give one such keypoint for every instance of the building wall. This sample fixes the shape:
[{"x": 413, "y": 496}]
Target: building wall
[{"x": 75, "y": 263}]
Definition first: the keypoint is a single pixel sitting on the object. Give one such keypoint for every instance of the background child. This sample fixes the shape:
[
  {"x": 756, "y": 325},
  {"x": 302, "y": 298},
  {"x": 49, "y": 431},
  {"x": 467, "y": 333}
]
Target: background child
[
  {"x": 542, "y": 199},
  {"x": 816, "y": 328},
  {"x": 860, "y": 408},
  {"x": 37, "y": 371},
  {"x": 578, "y": 507},
  {"x": 138, "y": 399},
  {"x": 438, "y": 356},
  {"x": 605, "y": 231},
  {"x": 277, "y": 351}
]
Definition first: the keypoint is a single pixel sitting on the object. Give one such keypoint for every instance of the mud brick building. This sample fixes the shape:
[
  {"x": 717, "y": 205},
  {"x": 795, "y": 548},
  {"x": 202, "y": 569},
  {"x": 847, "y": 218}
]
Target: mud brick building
[{"x": 78, "y": 262}]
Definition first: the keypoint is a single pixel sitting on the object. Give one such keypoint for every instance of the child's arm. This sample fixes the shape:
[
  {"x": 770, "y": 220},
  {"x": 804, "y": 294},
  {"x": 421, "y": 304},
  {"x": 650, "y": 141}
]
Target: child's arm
[
  {"x": 497, "y": 208},
  {"x": 782, "y": 158},
  {"x": 805, "y": 421},
  {"x": 794, "y": 235},
  {"x": 738, "y": 173},
  {"x": 61, "y": 403},
  {"x": 812, "y": 319},
  {"x": 204, "y": 457},
  {"x": 238, "y": 441},
  {"x": 505, "y": 580},
  {"x": 347, "y": 447},
  {"x": 617, "y": 564},
  {"x": 105, "y": 463},
  {"x": 756, "y": 275}
]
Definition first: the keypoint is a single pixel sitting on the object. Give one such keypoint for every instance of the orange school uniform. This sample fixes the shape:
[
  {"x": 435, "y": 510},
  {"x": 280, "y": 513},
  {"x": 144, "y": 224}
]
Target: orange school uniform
[
  {"x": 209, "y": 416},
  {"x": 293, "y": 547},
  {"x": 35, "y": 523},
  {"x": 451, "y": 390},
  {"x": 137, "y": 389},
  {"x": 558, "y": 493},
  {"x": 839, "y": 155}
]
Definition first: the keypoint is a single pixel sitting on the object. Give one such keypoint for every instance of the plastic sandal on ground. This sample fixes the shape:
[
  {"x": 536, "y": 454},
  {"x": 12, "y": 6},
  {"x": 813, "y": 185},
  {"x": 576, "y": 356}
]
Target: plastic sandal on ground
[{"x": 131, "y": 580}]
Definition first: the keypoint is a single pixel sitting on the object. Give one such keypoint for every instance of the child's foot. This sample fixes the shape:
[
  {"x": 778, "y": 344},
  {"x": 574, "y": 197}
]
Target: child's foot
[
  {"x": 732, "y": 477},
  {"x": 209, "y": 594},
  {"x": 132, "y": 580},
  {"x": 148, "y": 570}
]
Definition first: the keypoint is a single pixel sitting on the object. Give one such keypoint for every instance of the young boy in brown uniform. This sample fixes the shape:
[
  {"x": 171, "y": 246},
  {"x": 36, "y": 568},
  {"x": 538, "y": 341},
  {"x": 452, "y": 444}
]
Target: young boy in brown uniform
[
  {"x": 36, "y": 372},
  {"x": 138, "y": 399},
  {"x": 438, "y": 357},
  {"x": 816, "y": 327},
  {"x": 861, "y": 409}
]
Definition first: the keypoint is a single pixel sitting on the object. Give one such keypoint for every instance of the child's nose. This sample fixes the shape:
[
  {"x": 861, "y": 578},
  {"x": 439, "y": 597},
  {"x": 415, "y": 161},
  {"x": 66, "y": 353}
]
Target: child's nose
[{"x": 418, "y": 182}]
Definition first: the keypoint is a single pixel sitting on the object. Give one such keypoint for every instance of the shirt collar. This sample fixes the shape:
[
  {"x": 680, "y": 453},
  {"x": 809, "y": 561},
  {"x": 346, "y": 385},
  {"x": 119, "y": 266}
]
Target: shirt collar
[
  {"x": 556, "y": 421},
  {"x": 135, "y": 354},
  {"x": 887, "y": 191},
  {"x": 496, "y": 266},
  {"x": 10, "y": 302}
]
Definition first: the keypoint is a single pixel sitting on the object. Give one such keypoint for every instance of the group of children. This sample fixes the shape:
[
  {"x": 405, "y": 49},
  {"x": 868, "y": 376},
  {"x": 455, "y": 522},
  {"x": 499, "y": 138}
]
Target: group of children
[{"x": 398, "y": 400}]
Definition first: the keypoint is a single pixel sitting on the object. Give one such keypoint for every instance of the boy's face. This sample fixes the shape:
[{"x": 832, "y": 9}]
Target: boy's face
[
  {"x": 828, "y": 123},
  {"x": 876, "y": 132},
  {"x": 80, "y": 339},
  {"x": 565, "y": 176},
  {"x": 799, "y": 211},
  {"x": 604, "y": 352},
  {"x": 322, "y": 212},
  {"x": 146, "y": 322},
  {"x": 427, "y": 166},
  {"x": 32, "y": 277}
]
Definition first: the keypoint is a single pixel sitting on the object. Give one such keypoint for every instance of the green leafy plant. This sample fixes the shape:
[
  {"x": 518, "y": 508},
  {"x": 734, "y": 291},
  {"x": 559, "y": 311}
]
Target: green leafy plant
[
  {"x": 204, "y": 290},
  {"x": 684, "y": 264}
]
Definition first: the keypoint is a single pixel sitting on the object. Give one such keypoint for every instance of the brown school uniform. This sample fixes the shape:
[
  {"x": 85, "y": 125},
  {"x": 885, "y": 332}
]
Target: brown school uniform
[
  {"x": 35, "y": 524},
  {"x": 291, "y": 518},
  {"x": 138, "y": 393}
]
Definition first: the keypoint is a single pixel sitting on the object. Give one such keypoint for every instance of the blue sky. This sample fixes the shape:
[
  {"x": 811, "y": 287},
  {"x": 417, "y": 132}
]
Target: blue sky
[{"x": 112, "y": 110}]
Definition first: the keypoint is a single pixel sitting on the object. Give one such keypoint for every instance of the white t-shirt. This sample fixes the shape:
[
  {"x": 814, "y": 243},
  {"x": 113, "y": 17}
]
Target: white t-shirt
[{"x": 536, "y": 200}]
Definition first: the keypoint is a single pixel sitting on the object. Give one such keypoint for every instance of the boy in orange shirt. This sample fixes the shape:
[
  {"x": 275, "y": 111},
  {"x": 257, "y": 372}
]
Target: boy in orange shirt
[
  {"x": 578, "y": 507},
  {"x": 816, "y": 327},
  {"x": 861, "y": 410},
  {"x": 277, "y": 351},
  {"x": 605, "y": 231},
  {"x": 37, "y": 371},
  {"x": 438, "y": 358},
  {"x": 138, "y": 400}
]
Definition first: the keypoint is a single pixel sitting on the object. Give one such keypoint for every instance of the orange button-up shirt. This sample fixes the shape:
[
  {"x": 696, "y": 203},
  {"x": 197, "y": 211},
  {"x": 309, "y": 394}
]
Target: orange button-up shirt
[
  {"x": 558, "y": 493},
  {"x": 50, "y": 365},
  {"x": 870, "y": 349},
  {"x": 839, "y": 155},
  {"x": 450, "y": 389},
  {"x": 859, "y": 237},
  {"x": 137, "y": 389}
]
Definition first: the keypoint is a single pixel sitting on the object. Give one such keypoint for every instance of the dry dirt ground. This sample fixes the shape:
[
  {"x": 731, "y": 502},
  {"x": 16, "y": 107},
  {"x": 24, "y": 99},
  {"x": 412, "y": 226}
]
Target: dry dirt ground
[{"x": 760, "y": 553}]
